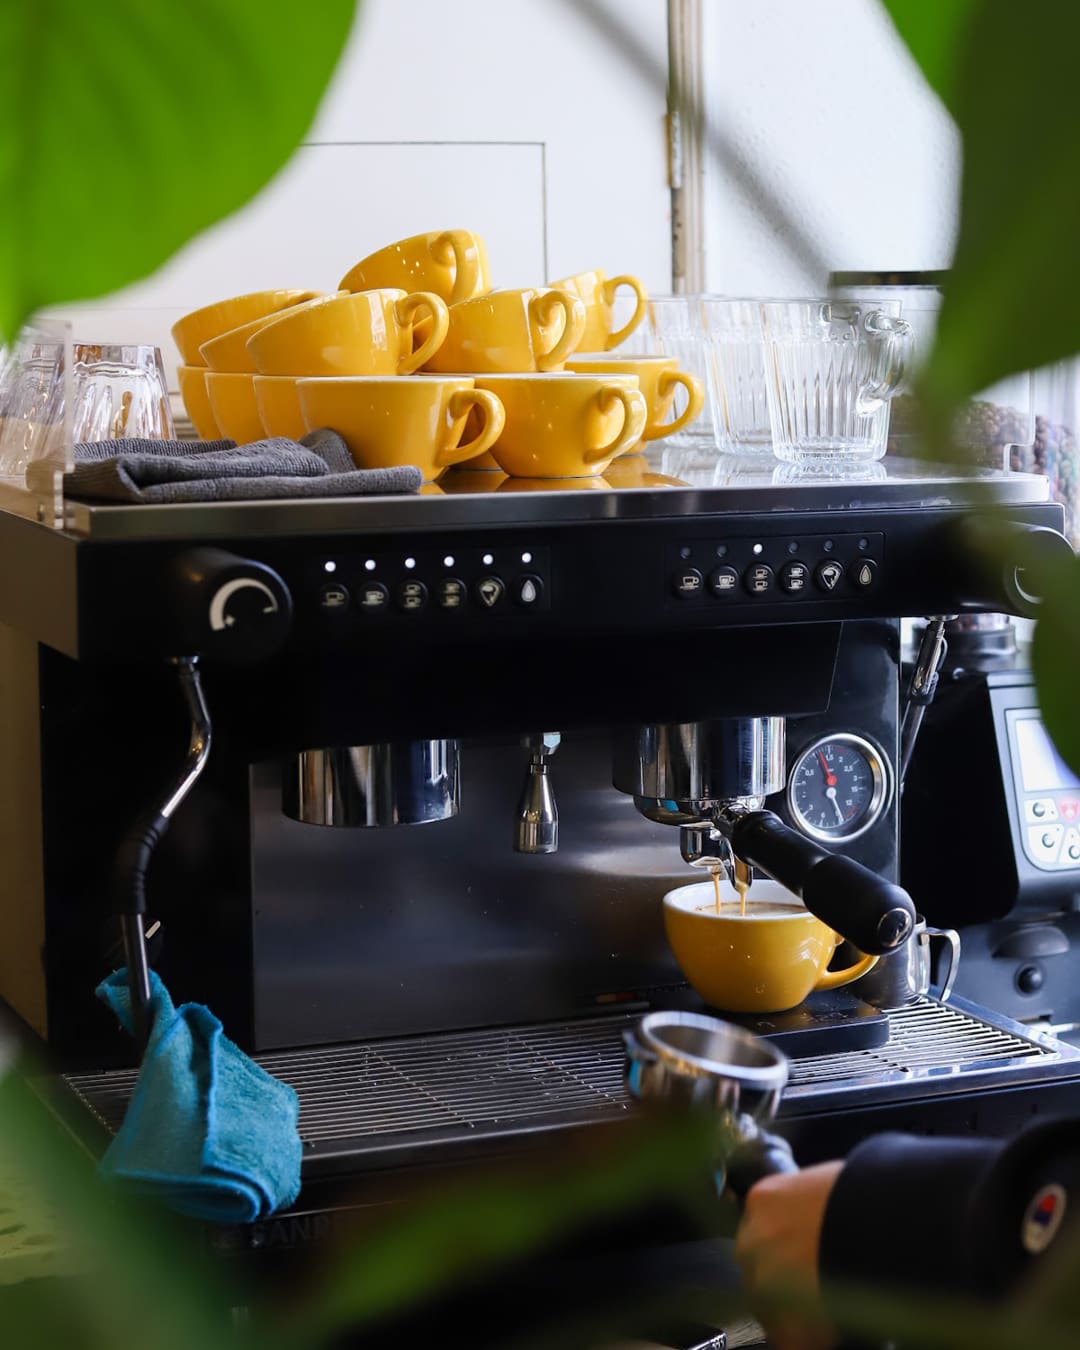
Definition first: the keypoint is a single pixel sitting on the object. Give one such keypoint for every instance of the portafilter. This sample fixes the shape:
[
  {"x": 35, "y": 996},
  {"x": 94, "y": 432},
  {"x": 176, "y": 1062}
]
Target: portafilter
[{"x": 686, "y": 1061}]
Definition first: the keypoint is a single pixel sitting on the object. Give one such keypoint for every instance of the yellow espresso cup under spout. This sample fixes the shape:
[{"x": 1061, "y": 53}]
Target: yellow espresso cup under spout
[
  {"x": 597, "y": 290},
  {"x": 232, "y": 399},
  {"x": 367, "y": 333},
  {"x": 565, "y": 426},
  {"x": 766, "y": 961},
  {"x": 658, "y": 378},
  {"x": 190, "y": 332},
  {"x": 511, "y": 331},
  {"x": 196, "y": 400},
  {"x": 387, "y": 422},
  {"x": 451, "y": 263}
]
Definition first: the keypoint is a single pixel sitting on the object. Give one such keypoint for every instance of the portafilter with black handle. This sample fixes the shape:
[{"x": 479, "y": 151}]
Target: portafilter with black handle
[{"x": 687, "y": 1061}]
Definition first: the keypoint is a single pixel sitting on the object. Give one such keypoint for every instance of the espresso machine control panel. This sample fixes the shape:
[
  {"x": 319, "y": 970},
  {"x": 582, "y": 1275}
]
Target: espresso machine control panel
[{"x": 797, "y": 567}]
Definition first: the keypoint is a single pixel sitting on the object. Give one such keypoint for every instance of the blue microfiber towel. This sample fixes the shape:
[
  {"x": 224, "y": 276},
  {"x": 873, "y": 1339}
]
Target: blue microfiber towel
[{"x": 206, "y": 1131}]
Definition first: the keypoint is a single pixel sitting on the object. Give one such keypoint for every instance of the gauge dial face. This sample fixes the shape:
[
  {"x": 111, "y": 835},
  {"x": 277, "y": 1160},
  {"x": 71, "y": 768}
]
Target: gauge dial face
[{"x": 838, "y": 787}]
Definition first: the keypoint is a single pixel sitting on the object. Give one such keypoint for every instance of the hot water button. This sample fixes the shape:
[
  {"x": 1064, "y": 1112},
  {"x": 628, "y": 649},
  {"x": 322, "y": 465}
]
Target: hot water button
[{"x": 528, "y": 591}]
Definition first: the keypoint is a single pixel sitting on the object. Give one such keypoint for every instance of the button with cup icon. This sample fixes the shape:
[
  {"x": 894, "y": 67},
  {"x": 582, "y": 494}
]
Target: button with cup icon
[{"x": 411, "y": 595}]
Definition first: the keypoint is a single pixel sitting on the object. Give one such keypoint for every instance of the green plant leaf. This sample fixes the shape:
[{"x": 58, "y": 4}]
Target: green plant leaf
[
  {"x": 1013, "y": 298},
  {"x": 934, "y": 31},
  {"x": 1055, "y": 657},
  {"x": 128, "y": 128}
]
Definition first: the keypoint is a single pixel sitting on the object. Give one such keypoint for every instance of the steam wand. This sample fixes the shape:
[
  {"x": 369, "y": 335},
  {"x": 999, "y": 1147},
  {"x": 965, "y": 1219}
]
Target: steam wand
[{"x": 137, "y": 849}]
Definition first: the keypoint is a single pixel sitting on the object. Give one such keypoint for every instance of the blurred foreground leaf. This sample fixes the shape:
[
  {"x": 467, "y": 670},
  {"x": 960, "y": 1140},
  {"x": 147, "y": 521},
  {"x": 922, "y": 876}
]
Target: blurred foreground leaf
[
  {"x": 130, "y": 127},
  {"x": 934, "y": 31},
  {"x": 124, "y": 1277},
  {"x": 1056, "y": 657},
  {"x": 1013, "y": 298},
  {"x": 492, "y": 1218}
]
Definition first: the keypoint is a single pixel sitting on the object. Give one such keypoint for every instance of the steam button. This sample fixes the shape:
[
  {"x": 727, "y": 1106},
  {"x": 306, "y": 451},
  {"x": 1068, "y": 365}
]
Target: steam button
[
  {"x": 411, "y": 595},
  {"x": 828, "y": 576},
  {"x": 863, "y": 573},
  {"x": 490, "y": 592},
  {"x": 528, "y": 591},
  {"x": 687, "y": 583},
  {"x": 374, "y": 597}
]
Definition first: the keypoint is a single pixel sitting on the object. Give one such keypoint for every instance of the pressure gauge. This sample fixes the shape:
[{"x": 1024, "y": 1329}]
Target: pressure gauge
[{"x": 838, "y": 787}]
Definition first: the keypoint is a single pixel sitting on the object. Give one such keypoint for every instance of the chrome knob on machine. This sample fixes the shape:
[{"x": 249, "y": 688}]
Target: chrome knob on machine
[{"x": 686, "y": 1061}]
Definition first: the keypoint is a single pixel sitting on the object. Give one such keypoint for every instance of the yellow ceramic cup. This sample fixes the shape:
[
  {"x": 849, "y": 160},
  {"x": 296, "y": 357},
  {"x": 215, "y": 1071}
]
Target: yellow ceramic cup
[
  {"x": 387, "y": 422},
  {"x": 190, "y": 332},
  {"x": 511, "y": 331},
  {"x": 232, "y": 400},
  {"x": 196, "y": 400},
  {"x": 658, "y": 378},
  {"x": 229, "y": 350},
  {"x": 369, "y": 333},
  {"x": 278, "y": 401},
  {"x": 766, "y": 962},
  {"x": 565, "y": 426},
  {"x": 452, "y": 263},
  {"x": 597, "y": 290}
]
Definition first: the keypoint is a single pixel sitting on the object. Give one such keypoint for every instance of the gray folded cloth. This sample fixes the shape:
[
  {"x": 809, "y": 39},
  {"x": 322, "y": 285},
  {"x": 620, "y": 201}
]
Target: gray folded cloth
[{"x": 215, "y": 471}]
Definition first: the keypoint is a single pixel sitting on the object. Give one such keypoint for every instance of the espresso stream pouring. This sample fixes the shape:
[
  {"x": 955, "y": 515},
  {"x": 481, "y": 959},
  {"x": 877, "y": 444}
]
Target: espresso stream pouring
[{"x": 687, "y": 1061}]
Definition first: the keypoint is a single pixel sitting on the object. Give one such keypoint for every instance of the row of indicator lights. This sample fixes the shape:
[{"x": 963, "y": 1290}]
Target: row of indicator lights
[
  {"x": 758, "y": 549},
  {"x": 410, "y": 563}
]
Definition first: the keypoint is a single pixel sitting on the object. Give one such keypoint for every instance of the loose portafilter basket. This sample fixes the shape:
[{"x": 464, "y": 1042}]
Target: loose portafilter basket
[
  {"x": 690, "y": 1062},
  {"x": 358, "y": 786}
]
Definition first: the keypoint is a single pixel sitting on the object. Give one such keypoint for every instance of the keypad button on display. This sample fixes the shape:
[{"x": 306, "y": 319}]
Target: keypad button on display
[
  {"x": 411, "y": 596},
  {"x": 1040, "y": 809},
  {"x": 828, "y": 576},
  {"x": 758, "y": 579},
  {"x": 1044, "y": 842},
  {"x": 723, "y": 581},
  {"x": 489, "y": 592},
  {"x": 373, "y": 597},
  {"x": 687, "y": 582}
]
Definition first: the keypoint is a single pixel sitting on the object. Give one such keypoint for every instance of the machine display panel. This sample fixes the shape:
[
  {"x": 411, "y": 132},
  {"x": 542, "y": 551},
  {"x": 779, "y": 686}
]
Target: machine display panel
[{"x": 1041, "y": 767}]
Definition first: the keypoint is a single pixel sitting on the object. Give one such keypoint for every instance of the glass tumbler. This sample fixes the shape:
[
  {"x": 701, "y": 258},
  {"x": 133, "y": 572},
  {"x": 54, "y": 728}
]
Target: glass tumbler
[
  {"x": 120, "y": 392},
  {"x": 735, "y": 370},
  {"x": 833, "y": 366},
  {"x": 678, "y": 329}
]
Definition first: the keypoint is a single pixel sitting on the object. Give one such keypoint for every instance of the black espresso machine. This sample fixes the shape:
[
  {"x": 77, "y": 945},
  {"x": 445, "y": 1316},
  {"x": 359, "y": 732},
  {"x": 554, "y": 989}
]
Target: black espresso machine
[{"x": 397, "y": 867}]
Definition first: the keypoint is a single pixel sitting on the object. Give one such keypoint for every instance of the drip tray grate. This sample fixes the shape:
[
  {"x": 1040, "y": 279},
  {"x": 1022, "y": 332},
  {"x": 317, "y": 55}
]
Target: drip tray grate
[{"x": 364, "y": 1098}]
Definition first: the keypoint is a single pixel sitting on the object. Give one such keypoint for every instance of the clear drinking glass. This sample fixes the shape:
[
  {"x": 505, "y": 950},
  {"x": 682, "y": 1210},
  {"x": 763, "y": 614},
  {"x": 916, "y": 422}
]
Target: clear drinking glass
[
  {"x": 735, "y": 372},
  {"x": 833, "y": 367},
  {"x": 118, "y": 391},
  {"x": 678, "y": 329}
]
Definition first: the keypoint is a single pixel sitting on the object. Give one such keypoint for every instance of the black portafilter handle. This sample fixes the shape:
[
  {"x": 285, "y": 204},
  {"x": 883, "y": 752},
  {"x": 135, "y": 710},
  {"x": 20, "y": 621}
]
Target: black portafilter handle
[
  {"x": 757, "y": 1155},
  {"x": 872, "y": 913}
]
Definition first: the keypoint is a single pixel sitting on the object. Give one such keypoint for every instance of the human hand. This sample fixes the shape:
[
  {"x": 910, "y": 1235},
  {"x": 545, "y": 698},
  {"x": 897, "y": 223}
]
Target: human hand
[{"x": 777, "y": 1246}]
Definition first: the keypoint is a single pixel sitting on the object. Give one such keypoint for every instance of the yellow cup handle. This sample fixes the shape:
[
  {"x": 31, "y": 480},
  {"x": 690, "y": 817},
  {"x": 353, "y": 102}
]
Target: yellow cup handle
[
  {"x": 833, "y": 979},
  {"x": 695, "y": 392},
  {"x": 610, "y": 287},
  {"x": 635, "y": 415},
  {"x": 541, "y": 311},
  {"x": 406, "y": 311},
  {"x": 459, "y": 247},
  {"x": 460, "y": 404}
]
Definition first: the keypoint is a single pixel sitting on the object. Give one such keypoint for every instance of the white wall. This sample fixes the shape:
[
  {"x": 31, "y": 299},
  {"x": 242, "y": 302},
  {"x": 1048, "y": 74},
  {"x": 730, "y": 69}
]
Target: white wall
[
  {"x": 824, "y": 100},
  {"x": 510, "y": 117}
]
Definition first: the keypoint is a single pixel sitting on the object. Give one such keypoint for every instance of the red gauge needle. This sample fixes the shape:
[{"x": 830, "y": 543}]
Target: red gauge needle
[{"x": 830, "y": 777}]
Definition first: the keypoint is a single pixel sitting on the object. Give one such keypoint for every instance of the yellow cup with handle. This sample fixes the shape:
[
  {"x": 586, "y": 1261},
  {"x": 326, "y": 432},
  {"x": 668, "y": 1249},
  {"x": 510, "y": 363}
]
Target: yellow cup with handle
[
  {"x": 767, "y": 959},
  {"x": 387, "y": 422},
  {"x": 451, "y": 263},
  {"x": 190, "y": 332},
  {"x": 510, "y": 331},
  {"x": 597, "y": 290},
  {"x": 367, "y": 333},
  {"x": 229, "y": 350},
  {"x": 560, "y": 425},
  {"x": 658, "y": 377}
]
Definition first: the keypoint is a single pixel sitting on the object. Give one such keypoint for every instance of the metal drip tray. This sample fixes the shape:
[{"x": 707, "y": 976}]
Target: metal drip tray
[{"x": 387, "y": 1101}]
